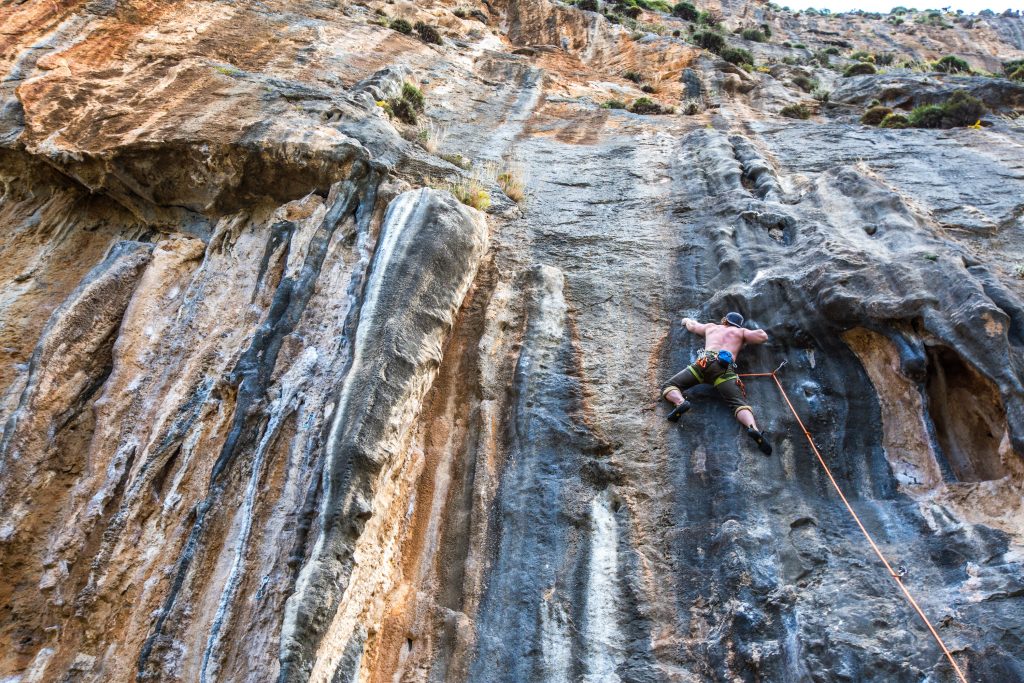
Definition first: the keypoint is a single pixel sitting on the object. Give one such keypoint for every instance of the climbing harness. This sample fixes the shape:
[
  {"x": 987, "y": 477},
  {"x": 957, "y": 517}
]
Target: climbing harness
[
  {"x": 897, "y": 575},
  {"x": 723, "y": 358}
]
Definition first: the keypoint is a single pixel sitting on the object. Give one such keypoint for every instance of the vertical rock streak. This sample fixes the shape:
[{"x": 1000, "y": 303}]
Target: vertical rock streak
[
  {"x": 252, "y": 375},
  {"x": 428, "y": 253}
]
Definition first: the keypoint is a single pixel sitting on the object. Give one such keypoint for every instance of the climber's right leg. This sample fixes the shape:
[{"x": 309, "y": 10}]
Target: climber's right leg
[{"x": 672, "y": 390}]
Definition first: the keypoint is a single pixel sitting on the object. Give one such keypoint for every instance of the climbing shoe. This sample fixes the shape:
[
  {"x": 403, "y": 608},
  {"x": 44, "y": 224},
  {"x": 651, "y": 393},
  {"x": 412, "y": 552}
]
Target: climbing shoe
[
  {"x": 760, "y": 439},
  {"x": 678, "y": 411}
]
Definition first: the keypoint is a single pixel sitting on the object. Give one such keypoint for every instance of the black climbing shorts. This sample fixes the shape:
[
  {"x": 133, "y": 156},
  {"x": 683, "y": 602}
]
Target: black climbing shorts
[{"x": 725, "y": 381}]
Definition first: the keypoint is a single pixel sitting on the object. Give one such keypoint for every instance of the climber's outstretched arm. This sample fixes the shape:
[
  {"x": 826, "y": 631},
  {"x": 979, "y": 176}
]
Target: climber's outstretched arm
[
  {"x": 754, "y": 336},
  {"x": 693, "y": 326}
]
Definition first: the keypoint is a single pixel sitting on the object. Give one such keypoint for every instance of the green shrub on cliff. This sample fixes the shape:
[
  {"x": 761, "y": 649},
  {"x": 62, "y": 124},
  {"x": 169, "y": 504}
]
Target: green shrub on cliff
[
  {"x": 951, "y": 64},
  {"x": 737, "y": 55},
  {"x": 428, "y": 33},
  {"x": 895, "y": 120},
  {"x": 406, "y": 105},
  {"x": 401, "y": 25},
  {"x": 959, "y": 110},
  {"x": 1014, "y": 70},
  {"x": 875, "y": 115},
  {"x": 709, "y": 40},
  {"x": 926, "y": 116},
  {"x": 859, "y": 69},
  {"x": 686, "y": 11},
  {"x": 753, "y": 34},
  {"x": 805, "y": 83},
  {"x": 645, "y": 105},
  {"x": 795, "y": 111},
  {"x": 654, "y": 5},
  {"x": 588, "y": 5},
  {"x": 709, "y": 18}
]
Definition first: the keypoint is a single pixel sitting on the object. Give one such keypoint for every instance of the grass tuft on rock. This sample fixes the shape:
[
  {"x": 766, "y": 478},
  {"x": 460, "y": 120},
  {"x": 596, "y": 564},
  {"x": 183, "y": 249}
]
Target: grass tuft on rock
[
  {"x": 406, "y": 105},
  {"x": 795, "y": 111},
  {"x": 457, "y": 160},
  {"x": 754, "y": 34},
  {"x": 471, "y": 193},
  {"x": 1014, "y": 69},
  {"x": 951, "y": 64},
  {"x": 805, "y": 83}
]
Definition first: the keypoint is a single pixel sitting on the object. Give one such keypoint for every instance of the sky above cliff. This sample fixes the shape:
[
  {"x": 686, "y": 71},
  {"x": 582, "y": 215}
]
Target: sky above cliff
[{"x": 886, "y": 5}]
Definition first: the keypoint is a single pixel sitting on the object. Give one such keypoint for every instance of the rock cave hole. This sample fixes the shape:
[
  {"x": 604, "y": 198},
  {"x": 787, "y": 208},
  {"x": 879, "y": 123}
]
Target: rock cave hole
[{"x": 968, "y": 416}]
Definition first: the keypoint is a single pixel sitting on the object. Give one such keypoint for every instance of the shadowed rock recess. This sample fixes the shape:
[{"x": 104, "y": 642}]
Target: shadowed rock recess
[{"x": 277, "y": 406}]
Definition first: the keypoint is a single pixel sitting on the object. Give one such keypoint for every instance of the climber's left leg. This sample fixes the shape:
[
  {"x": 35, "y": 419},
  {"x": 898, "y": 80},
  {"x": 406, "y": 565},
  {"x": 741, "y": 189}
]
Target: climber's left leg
[{"x": 731, "y": 388}]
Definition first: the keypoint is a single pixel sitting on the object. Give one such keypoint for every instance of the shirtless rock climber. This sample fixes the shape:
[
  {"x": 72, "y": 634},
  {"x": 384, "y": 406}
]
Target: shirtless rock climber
[{"x": 716, "y": 365}]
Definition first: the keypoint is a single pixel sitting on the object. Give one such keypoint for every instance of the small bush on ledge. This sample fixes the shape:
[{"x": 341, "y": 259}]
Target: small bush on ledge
[
  {"x": 406, "y": 105},
  {"x": 895, "y": 120},
  {"x": 736, "y": 55},
  {"x": 471, "y": 192},
  {"x": 402, "y": 26},
  {"x": 753, "y": 34},
  {"x": 805, "y": 83},
  {"x": 1014, "y": 70},
  {"x": 709, "y": 40},
  {"x": 428, "y": 33},
  {"x": 860, "y": 69},
  {"x": 645, "y": 105},
  {"x": 951, "y": 64},
  {"x": 795, "y": 111},
  {"x": 875, "y": 115},
  {"x": 961, "y": 109},
  {"x": 685, "y": 11}
]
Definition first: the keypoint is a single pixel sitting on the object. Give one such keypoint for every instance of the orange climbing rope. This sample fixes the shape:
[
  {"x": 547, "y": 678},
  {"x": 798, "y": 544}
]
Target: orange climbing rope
[{"x": 896, "y": 577}]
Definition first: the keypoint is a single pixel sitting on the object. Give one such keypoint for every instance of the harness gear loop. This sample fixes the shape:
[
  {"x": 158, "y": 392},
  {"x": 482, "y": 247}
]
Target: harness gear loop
[{"x": 897, "y": 575}]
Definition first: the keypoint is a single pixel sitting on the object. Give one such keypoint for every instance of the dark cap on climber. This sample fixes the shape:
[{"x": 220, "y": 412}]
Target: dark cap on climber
[
  {"x": 716, "y": 365},
  {"x": 733, "y": 318}
]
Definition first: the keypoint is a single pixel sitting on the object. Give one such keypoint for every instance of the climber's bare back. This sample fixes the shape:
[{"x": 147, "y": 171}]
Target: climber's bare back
[{"x": 725, "y": 337}]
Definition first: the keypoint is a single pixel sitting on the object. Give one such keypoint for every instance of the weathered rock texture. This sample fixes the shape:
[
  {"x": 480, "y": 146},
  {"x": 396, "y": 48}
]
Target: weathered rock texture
[{"x": 275, "y": 409}]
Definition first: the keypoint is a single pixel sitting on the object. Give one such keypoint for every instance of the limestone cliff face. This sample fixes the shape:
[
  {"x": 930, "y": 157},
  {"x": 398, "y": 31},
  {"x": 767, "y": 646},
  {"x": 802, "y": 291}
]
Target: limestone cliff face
[{"x": 277, "y": 406}]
